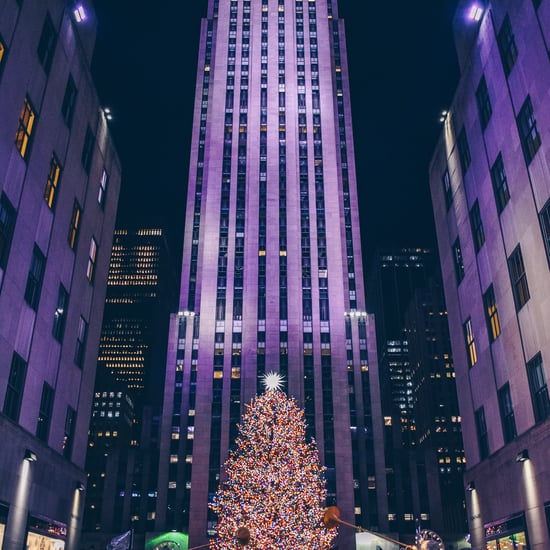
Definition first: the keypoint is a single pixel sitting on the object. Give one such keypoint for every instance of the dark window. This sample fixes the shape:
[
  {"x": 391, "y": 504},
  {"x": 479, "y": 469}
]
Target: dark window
[
  {"x": 483, "y": 103},
  {"x": 477, "y": 226},
  {"x": 46, "y": 45},
  {"x": 447, "y": 188},
  {"x": 81, "y": 341},
  {"x": 75, "y": 224},
  {"x": 7, "y": 225},
  {"x": 537, "y": 3},
  {"x": 35, "y": 278},
  {"x": 45, "y": 413},
  {"x": 103, "y": 182},
  {"x": 60, "y": 314},
  {"x": 88, "y": 150},
  {"x": 491, "y": 314},
  {"x": 14, "y": 390},
  {"x": 69, "y": 101},
  {"x": 464, "y": 151},
  {"x": 92, "y": 257},
  {"x": 458, "y": 261},
  {"x": 544, "y": 217},
  {"x": 539, "y": 388},
  {"x": 469, "y": 338},
  {"x": 507, "y": 413},
  {"x": 507, "y": 46},
  {"x": 68, "y": 435},
  {"x": 528, "y": 133},
  {"x": 518, "y": 278},
  {"x": 500, "y": 184},
  {"x": 54, "y": 175},
  {"x": 27, "y": 122},
  {"x": 482, "y": 435}
]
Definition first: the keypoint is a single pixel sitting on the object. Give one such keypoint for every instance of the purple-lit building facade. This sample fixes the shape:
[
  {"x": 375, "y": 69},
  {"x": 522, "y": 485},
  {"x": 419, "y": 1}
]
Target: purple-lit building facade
[
  {"x": 272, "y": 273},
  {"x": 59, "y": 187},
  {"x": 489, "y": 181}
]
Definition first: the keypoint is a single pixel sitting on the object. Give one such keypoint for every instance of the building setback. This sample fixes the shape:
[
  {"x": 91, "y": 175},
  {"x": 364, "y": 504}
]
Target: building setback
[
  {"x": 59, "y": 187},
  {"x": 489, "y": 182},
  {"x": 272, "y": 273}
]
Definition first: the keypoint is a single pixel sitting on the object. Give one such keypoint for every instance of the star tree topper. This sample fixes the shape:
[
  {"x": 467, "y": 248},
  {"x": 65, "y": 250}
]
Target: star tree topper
[{"x": 273, "y": 381}]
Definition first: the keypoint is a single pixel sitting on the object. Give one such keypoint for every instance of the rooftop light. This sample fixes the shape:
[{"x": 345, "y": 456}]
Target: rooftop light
[
  {"x": 475, "y": 12},
  {"x": 79, "y": 13}
]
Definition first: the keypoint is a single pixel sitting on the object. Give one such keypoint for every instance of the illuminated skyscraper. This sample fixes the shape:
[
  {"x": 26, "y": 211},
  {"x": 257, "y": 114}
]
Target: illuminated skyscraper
[{"x": 272, "y": 273}]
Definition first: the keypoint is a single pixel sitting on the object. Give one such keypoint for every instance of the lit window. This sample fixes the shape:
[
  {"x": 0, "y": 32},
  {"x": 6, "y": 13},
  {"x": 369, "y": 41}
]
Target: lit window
[
  {"x": 491, "y": 314},
  {"x": 53, "y": 180},
  {"x": 470, "y": 342},
  {"x": 2, "y": 54},
  {"x": 92, "y": 257},
  {"x": 27, "y": 119},
  {"x": 74, "y": 225},
  {"x": 103, "y": 188}
]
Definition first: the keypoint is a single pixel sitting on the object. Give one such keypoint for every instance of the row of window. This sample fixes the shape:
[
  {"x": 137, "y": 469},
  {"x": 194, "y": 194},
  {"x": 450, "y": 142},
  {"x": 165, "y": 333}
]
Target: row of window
[
  {"x": 13, "y": 400},
  {"x": 539, "y": 398}
]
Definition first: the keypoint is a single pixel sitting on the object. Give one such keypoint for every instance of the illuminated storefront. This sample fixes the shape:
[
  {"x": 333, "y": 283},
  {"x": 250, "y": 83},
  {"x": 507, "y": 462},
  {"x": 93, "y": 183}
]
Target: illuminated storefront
[
  {"x": 45, "y": 534},
  {"x": 509, "y": 534}
]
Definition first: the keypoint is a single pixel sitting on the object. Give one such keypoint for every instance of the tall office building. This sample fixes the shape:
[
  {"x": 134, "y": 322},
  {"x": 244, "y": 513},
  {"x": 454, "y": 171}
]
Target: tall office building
[
  {"x": 271, "y": 275},
  {"x": 489, "y": 182},
  {"x": 122, "y": 461},
  {"x": 59, "y": 187}
]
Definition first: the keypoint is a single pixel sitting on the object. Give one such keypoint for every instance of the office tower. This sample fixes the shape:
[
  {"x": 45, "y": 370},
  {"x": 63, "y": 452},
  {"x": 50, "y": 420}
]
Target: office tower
[
  {"x": 438, "y": 461},
  {"x": 59, "y": 186},
  {"x": 394, "y": 275},
  {"x": 489, "y": 186},
  {"x": 122, "y": 460},
  {"x": 271, "y": 274}
]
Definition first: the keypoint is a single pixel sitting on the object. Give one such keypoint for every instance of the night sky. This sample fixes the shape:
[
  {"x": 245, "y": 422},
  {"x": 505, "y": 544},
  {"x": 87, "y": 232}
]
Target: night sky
[{"x": 403, "y": 73}]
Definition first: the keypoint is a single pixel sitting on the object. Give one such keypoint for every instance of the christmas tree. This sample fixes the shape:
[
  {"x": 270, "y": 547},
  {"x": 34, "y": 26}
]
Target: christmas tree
[{"x": 275, "y": 488}]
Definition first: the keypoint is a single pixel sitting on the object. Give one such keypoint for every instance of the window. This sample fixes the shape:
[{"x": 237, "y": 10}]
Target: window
[
  {"x": 500, "y": 184},
  {"x": 52, "y": 182},
  {"x": 518, "y": 278},
  {"x": 2, "y": 54},
  {"x": 46, "y": 45},
  {"x": 507, "y": 46},
  {"x": 92, "y": 256},
  {"x": 458, "y": 261},
  {"x": 27, "y": 121},
  {"x": 81, "y": 341},
  {"x": 88, "y": 150},
  {"x": 74, "y": 225},
  {"x": 60, "y": 314},
  {"x": 537, "y": 3},
  {"x": 68, "y": 435},
  {"x": 103, "y": 182},
  {"x": 544, "y": 218},
  {"x": 491, "y": 314},
  {"x": 35, "y": 278},
  {"x": 45, "y": 413},
  {"x": 507, "y": 413},
  {"x": 464, "y": 151},
  {"x": 7, "y": 226},
  {"x": 477, "y": 227},
  {"x": 528, "y": 133},
  {"x": 14, "y": 390},
  {"x": 539, "y": 388},
  {"x": 483, "y": 103},
  {"x": 69, "y": 101},
  {"x": 470, "y": 342},
  {"x": 447, "y": 189},
  {"x": 482, "y": 435}
]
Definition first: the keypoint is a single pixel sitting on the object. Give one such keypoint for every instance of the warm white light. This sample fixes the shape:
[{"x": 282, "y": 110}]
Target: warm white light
[{"x": 273, "y": 381}]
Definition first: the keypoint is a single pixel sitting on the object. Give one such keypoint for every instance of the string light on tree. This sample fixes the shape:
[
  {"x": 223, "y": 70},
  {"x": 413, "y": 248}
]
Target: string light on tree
[{"x": 275, "y": 483}]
